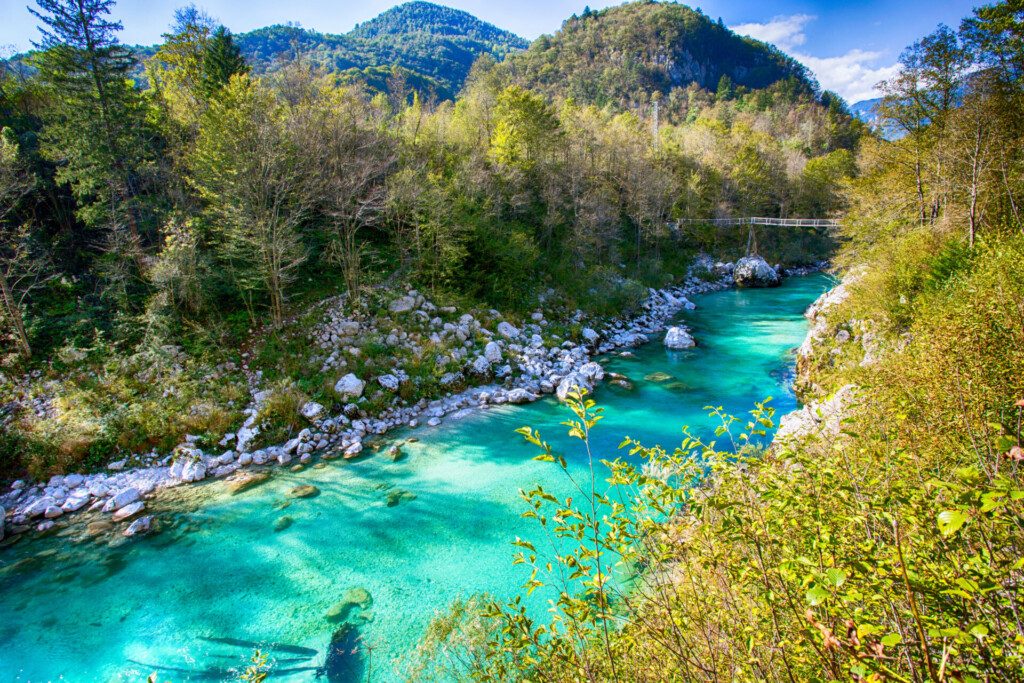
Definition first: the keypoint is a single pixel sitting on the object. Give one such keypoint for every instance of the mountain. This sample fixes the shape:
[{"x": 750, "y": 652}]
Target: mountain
[
  {"x": 614, "y": 55},
  {"x": 865, "y": 110},
  {"x": 429, "y": 44}
]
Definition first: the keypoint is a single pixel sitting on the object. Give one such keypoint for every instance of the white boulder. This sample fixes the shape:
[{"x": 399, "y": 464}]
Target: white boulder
[
  {"x": 311, "y": 410},
  {"x": 492, "y": 352},
  {"x": 679, "y": 338},
  {"x": 481, "y": 365},
  {"x": 349, "y": 386},
  {"x": 507, "y": 330},
  {"x": 402, "y": 304},
  {"x": 128, "y": 510},
  {"x": 754, "y": 271},
  {"x": 573, "y": 382}
]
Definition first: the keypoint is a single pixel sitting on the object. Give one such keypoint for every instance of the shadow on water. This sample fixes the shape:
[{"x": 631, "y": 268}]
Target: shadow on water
[
  {"x": 219, "y": 673},
  {"x": 307, "y": 652},
  {"x": 345, "y": 660},
  {"x": 214, "y": 673}
]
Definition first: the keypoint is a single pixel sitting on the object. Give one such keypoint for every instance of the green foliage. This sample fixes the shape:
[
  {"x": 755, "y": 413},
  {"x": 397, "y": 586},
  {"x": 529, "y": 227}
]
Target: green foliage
[
  {"x": 869, "y": 555},
  {"x": 96, "y": 129}
]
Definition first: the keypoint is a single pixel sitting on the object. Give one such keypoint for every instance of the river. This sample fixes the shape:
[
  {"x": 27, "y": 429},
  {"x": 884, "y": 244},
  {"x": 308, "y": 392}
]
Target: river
[{"x": 188, "y": 601}]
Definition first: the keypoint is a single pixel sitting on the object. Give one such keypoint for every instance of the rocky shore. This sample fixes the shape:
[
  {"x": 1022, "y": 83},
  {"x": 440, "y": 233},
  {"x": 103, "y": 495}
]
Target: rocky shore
[
  {"x": 822, "y": 417},
  {"x": 515, "y": 366}
]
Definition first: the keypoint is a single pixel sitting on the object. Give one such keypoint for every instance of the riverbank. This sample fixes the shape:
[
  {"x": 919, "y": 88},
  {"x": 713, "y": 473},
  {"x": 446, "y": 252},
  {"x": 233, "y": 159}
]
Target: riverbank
[
  {"x": 529, "y": 367},
  {"x": 265, "y": 566}
]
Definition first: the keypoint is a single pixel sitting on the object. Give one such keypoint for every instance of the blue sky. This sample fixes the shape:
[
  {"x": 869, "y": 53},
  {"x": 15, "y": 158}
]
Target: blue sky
[{"x": 850, "y": 45}]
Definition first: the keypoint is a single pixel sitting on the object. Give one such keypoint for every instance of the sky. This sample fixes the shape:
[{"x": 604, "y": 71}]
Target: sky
[{"x": 850, "y": 45}]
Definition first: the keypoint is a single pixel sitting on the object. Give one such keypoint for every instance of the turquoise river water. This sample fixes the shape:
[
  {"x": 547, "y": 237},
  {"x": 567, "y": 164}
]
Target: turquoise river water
[{"x": 192, "y": 600}]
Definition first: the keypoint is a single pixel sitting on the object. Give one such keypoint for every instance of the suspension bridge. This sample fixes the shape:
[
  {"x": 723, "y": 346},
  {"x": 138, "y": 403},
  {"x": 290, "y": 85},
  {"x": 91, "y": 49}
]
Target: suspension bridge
[{"x": 753, "y": 221}]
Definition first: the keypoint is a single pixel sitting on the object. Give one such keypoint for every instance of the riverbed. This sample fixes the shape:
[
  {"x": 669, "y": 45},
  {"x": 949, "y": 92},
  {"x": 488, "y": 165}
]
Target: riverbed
[{"x": 227, "y": 573}]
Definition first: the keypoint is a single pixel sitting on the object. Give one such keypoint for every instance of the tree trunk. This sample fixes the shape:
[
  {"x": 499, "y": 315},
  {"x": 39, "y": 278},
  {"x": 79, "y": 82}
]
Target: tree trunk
[{"x": 13, "y": 312}]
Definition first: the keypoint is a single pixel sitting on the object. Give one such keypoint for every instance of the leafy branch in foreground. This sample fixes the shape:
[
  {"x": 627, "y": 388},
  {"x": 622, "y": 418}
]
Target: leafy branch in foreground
[{"x": 831, "y": 559}]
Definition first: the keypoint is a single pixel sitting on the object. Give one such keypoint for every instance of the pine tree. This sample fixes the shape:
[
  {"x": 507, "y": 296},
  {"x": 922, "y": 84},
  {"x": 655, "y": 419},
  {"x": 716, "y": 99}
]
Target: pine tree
[
  {"x": 221, "y": 61},
  {"x": 95, "y": 124}
]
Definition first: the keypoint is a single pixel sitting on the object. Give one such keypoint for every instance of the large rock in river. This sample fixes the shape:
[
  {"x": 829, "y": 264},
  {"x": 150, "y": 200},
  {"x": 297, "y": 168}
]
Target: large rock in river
[
  {"x": 754, "y": 271},
  {"x": 679, "y": 338}
]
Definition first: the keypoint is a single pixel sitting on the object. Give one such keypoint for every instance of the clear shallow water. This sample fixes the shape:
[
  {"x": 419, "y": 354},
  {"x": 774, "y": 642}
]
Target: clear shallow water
[{"x": 189, "y": 600}]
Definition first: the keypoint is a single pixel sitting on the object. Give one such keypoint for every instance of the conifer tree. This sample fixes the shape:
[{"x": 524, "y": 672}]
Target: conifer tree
[
  {"x": 221, "y": 61},
  {"x": 95, "y": 126}
]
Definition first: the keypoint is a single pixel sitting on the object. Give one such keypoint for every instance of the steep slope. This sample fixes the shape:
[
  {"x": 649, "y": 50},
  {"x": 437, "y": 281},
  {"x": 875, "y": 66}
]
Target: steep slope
[
  {"x": 642, "y": 47},
  {"x": 428, "y": 43}
]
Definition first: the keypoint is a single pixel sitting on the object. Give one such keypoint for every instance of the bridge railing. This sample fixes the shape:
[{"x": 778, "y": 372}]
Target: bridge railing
[{"x": 755, "y": 220}]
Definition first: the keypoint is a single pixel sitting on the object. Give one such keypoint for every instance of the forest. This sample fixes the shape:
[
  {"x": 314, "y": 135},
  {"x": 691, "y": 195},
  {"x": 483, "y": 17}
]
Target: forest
[{"x": 151, "y": 231}]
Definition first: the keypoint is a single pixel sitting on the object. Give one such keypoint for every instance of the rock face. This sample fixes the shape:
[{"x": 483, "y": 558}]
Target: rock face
[
  {"x": 754, "y": 271},
  {"x": 821, "y": 419},
  {"x": 679, "y": 338},
  {"x": 349, "y": 386}
]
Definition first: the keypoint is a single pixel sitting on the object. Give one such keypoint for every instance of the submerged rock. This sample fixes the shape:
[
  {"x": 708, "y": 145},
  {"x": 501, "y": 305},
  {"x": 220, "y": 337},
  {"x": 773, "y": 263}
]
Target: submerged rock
[
  {"x": 398, "y": 496},
  {"x": 98, "y": 527},
  {"x": 282, "y": 523},
  {"x": 344, "y": 662},
  {"x": 754, "y": 271},
  {"x": 355, "y": 599},
  {"x": 304, "y": 491},
  {"x": 658, "y": 377},
  {"x": 243, "y": 481},
  {"x": 143, "y": 525},
  {"x": 620, "y": 381}
]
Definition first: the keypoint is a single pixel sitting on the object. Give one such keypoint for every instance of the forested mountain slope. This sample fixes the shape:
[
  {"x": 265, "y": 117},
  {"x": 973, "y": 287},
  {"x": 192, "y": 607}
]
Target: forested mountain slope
[
  {"x": 624, "y": 53},
  {"x": 427, "y": 40}
]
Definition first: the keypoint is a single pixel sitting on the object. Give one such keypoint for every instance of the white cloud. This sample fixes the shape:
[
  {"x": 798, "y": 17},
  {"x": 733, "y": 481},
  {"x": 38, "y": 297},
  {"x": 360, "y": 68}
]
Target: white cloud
[
  {"x": 853, "y": 75},
  {"x": 785, "y": 32}
]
